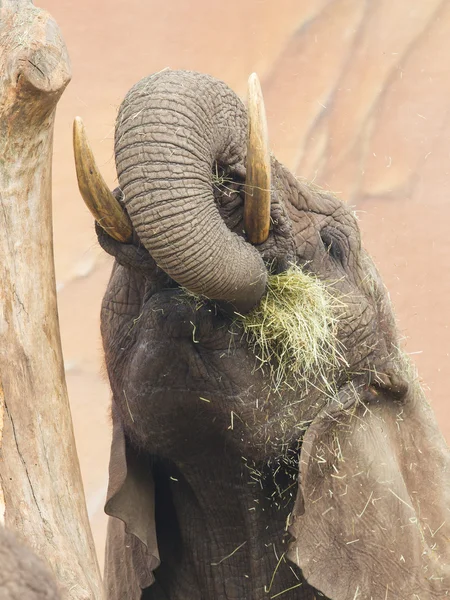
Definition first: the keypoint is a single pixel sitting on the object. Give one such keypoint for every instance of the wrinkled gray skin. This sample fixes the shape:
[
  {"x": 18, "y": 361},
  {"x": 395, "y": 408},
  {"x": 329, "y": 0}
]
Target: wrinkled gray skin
[
  {"x": 22, "y": 575},
  {"x": 225, "y": 470}
]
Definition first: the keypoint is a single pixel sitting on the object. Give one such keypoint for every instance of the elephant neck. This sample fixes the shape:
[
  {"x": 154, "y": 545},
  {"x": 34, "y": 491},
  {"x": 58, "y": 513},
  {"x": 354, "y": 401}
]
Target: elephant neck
[{"x": 223, "y": 535}]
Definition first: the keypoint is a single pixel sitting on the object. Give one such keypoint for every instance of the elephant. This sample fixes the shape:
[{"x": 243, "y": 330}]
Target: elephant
[
  {"x": 22, "y": 575},
  {"x": 226, "y": 483}
]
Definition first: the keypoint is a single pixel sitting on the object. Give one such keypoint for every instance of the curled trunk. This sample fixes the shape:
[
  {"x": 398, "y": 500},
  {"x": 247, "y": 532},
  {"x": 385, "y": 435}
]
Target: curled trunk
[{"x": 172, "y": 128}]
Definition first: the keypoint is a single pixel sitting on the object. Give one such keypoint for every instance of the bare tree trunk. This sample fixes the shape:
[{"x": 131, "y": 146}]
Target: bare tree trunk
[
  {"x": 39, "y": 470},
  {"x": 2, "y": 496}
]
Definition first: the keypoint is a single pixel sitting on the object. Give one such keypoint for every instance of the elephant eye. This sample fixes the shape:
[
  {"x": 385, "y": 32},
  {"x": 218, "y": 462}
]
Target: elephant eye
[{"x": 332, "y": 245}]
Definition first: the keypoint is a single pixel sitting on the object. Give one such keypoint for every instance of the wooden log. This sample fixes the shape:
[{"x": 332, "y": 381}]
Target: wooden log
[
  {"x": 39, "y": 469},
  {"x": 2, "y": 496}
]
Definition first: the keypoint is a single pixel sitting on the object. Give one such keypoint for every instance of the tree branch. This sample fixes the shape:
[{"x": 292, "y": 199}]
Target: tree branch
[{"x": 39, "y": 469}]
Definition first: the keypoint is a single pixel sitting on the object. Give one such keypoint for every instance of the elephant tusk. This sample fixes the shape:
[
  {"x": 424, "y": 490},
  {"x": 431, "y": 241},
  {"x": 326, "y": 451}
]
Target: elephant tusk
[
  {"x": 96, "y": 194},
  {"x": 257, "y": 184}
]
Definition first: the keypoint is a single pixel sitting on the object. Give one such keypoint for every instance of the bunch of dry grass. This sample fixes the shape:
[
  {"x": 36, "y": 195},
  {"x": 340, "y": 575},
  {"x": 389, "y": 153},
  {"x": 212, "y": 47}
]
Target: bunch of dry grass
[{"x": 293, "y": 330}]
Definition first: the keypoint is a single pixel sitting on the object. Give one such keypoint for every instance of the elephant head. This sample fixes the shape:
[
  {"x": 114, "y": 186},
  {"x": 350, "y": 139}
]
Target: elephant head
[{"x": 223, "y": 484}]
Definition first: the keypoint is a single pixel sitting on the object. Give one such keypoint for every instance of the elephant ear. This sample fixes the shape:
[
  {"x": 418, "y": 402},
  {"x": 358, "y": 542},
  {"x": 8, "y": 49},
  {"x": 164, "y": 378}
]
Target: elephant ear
[
  {"x": 372, "y": 516},
  {"x": 131, "y": 545}
]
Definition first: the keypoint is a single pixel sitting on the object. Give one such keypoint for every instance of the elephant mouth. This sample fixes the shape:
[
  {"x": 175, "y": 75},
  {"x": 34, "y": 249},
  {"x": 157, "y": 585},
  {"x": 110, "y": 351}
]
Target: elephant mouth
[{"x": 174, "y": 315}]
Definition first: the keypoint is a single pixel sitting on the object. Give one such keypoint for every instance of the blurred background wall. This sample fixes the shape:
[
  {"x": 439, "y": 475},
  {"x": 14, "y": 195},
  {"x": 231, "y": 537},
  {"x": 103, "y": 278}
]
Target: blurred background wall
[{"x": 357, "y": 94}]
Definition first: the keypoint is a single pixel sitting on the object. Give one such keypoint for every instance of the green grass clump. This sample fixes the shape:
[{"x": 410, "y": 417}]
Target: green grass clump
[{"x": 293, "y": 330}]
